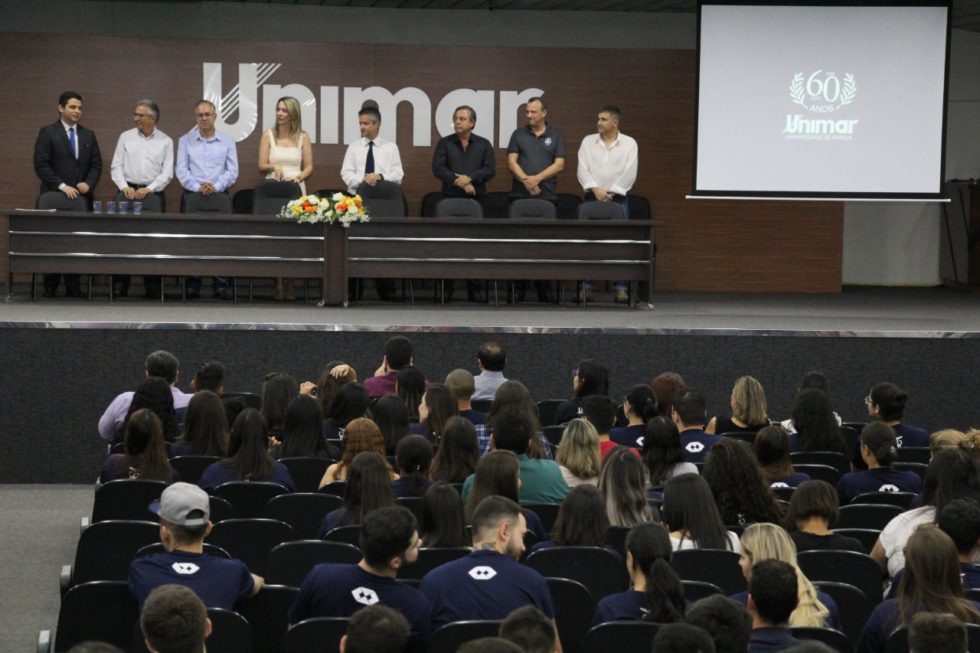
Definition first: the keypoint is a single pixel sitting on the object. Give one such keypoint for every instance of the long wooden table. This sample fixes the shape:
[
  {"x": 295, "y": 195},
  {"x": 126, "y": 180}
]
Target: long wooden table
[{"x": 214, "y": 244}]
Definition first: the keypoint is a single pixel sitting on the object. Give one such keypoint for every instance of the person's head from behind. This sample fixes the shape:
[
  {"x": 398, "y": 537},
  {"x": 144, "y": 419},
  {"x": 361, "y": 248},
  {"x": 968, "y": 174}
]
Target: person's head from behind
[
  {"x": 814, "y": 420},
  {"x": 459, "y": 450},
  {"x": 94, "y": 647},
  {"x": 368, "y": 485},
  {"x": 350, "y": 402},
  {"x": 600, "y": 412},
  {"x": 163, "y": 364},
  {"x": 209, "y": 376},
  {"x": 582, "y": 519},
  {"x": 443, "y": 521},
  {"x": 771, "y": 447},
  {"x": 813, "y": 505},
  {"x": 945, "y": 439},
  {"x": 530, "y": 629},
  {"x": 438, "y": 405},
  {"x": 414, "y": 459},
  {"x": 879, "y": 445},
  {"x": 174, "y": 620},
  {"x": 249, "y": 432},
  {"x": 206, "y": 424},
  {"x": 376, "y": 629},
  {"x": 461, "y": 384},
  {"x": 591, "y": 378},
  {"x": 664, "y": 386},
  {"x": 689, "y": 507},
  {"x": 932, "y": 569},
  {"x": 622, "y": 482},
  {"x": 648, "y": 553},
  {"x": 390, "y": 415},
  {"x": 277, "y": 391},
  {"x": 937, "y": 632},
  {"x": 682, "y": 638},
  {"x": 951, "y": 474},
  {"x": 960, "y": 519},
  {"x": 813, "y": 379},
  {"x": 499, "y": 522},
  {"x": 410, "y": 387},
  {"x": 155, "y": 394},
  {"x": 492, "y": 356},
  {"x": 748, "y": 401},
  {"x": 765, "y": 541},
  {"x": 661, "y": 449},
  {"x": 579, "y": 450},
  {"x": 887, "y": 401},
  {"x": 641, "y": 403},
  {"x": 490, "y": 645},
  {"x": 511, "y": 432},
  {"x": 389, "y": 539},
  {"x": 727, "y": 622},
  {"x": 398, "y": 352},
  {"x": 497, "y": 473},
  {"x": 185, "y": 513},
  {"x": 144, "y": 435},
  {"x": 329, "y": 384},
  {"x": 361, "y": 435},
  {"x": 773, "y": 593},
  {"x": 302, "y": 431},
  {"x": 688, "y": 408}
]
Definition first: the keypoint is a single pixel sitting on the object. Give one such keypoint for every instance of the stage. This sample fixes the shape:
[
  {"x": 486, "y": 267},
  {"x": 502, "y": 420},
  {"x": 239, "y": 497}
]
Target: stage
[{"x": 65, "y": 359}]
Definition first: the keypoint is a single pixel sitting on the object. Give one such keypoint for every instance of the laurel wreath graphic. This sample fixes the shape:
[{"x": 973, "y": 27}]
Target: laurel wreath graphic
[
  {"x": 849, "y": 91},
  {"x": 796, "y": 89}
]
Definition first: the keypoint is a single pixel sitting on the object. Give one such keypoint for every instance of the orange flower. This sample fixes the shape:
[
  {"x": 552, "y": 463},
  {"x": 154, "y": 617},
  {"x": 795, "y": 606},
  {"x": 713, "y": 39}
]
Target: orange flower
[
  {"x": 342, "y": 207},
  {"x": 310, "y": 209}
]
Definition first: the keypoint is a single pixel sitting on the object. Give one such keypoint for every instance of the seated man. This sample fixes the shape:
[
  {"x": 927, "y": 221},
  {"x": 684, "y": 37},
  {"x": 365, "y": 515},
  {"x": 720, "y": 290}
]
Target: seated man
[
  {"x": 689, "y": 415},
  {"x": 491, "y": 360},
  {"x": 532, "y": 630},
  {"x": 375, "y": 629},
  {"x": 209, "y": 376},
  {"x": 398, "y": 354},
  {"x": 389, "y": 540},
  {"x": 160, "y": 363},
  {"x": 728, "y": 623},
  {"x": 682, "y": 638},
  {"x": 174, "y": 620},
  {"x": 184, "y": 511},
  {"x": 489, "y": 583},
  {"x": 772, "y": 598},
  {"x": 460, "y": 383}
]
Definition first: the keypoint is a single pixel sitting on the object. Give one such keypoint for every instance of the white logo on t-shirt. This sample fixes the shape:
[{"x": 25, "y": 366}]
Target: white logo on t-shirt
[
  {"x": 898, "y": 440},
  {"x": 365, "y": 595},
  {"x": 185, "y": 568},
  {"x": 888, "y": 487},
  {"x": 639, "y": 441},
  {"x": 482, "y": 573},
  {"x": 779, "y": 484},
  {"x": 695, "y": 447}
]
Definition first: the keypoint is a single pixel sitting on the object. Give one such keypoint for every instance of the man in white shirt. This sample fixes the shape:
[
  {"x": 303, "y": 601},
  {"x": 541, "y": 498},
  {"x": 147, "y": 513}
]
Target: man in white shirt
[
  {"x": 143, "y": 163},
  {"x": 607, "y": 163}
]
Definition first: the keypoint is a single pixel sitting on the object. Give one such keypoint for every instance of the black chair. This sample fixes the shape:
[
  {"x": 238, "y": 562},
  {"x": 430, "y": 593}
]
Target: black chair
[
  {"x": 415, "y": 504},
  {"x": 97, "y": 611},
  {"x": 866, "y": 536},
  {"x": 852, "y": 605},
  {"x": 213, "y": 203},
  {"x": 620, "y": 636},
  {"x": 243, "y": 201},
  {"x": 481, "y": 405},
  {"x": 832, "y": 638},
  {"x": 567, "y": 204},
  {"x": 533, "y": 208},
  {"x": 230, "y": 633},
  {"x": 190, "y": 468},
  {"x": 383, "y": 200},
  {"x": 459, "y": 207},
  {"x": 595, "y": 210},
  {"x": 151, "y": 203},
  {"x": 834, "y": 459},
  {"x": 600, "y": 570},
  {"x": 548, "y": 512},
  {"x": 316, "y": 634},
  {"x": 126, "y": 499},
  {"x": 427, "y": 208},
  {"x": 973, "y": 594},
  {"x": 307, "y": 472},
  {"x": 898, "y": 641},
  {"x": 157, "y": 547},
  {"x": 429, "y": 559},
  {"x": 547, "y": 410},
  {"x": 617, "y": 537},
  {"x": 248, "y": 498},
  {"x": 573, "y": 612},
  {"x": 304, "y": 511},
  {"x": 348, "y": 534},
  {"x": 267, "y": 614},
  {"x": 819, "y": 472},
  {"x": 639, "y": 207},
  {"x": 849, "y": 567},
  {"x": 783, "y": 493},
  {"x": 105, "y": 550},
  {"x": 920, "y": 455},
  {"x": 251, "y": 399},
  {"x": 250, "y": 540},
  {"x": 221, "y": 509},
  {"x": 918, "y": 468},
  {"x": 336, "y": 488},
  {"x": 746, "y": 437},
  {"x": 289, "y": 563},
  {"x": 695, "y": 590},
  {"x": 554, "y": 434},
  {"x": 867, "y": 515},
  {"x": 271, "y": 196},
  {"x": 711, "y": 566},
  {"x": 453, "y": 635},
  {"x": 901, "y": 499},
  {"x": 496, "y": 205}
]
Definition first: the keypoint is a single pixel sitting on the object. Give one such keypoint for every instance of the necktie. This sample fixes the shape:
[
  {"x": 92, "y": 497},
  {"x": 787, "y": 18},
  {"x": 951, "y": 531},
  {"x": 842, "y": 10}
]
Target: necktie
[
  {"x": 369, "y": 164},
  {"x": 71, "y": 141}
]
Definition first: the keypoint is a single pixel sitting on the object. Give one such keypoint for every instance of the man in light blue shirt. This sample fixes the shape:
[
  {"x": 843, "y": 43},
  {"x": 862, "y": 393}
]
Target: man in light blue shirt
[{"x": 207, "y": 163}]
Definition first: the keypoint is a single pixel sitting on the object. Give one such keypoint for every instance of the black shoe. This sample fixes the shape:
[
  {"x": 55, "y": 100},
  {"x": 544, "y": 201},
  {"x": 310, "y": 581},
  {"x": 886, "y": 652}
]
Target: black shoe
[{"x": 119, "y": 290}]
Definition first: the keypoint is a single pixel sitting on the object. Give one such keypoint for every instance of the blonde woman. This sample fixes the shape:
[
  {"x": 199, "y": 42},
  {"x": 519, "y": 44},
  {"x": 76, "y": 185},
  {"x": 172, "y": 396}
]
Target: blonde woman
[
  {"x": 748, "y": 404},
  {"x": 623, "y": 483},
  {"x": 285, "y": 154},
  {"x": 578, "y": 454},
  {"x": 770, "y": 542}
]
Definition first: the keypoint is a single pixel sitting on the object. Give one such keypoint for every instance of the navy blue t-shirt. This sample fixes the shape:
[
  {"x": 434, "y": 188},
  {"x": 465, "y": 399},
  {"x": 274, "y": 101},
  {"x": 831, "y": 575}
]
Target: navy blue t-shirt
[
  {"x": 334, "y": 590},
  {"x": 881, "y": 479},
  {"x": 475, "y": 417},
  {"x": 400, "y": 487},
  {"x": 793, "y": 480},
  {"x": 623, "y": 606},
  {"x": 629, "y": 436},
  {"x": 969, "y": 574},
  {"x": 219, "y": 582},
  {"x": 483, "y": 585},
  {"x": 335, "y": 519},
  {"x": 217, "y": 474},
  {"x": 764, "y": 640},
  {"x": 911, "y": 436},
  {"x": 696, "y": 444},
  {"x": 833, "y": 619}
]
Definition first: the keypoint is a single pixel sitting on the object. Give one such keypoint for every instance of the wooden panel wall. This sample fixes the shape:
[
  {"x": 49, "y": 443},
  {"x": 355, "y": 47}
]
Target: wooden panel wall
[{"x": 705, "y": 245}]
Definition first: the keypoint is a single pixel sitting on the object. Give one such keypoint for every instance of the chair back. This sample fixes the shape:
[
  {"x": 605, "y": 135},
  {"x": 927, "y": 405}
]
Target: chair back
[
  {"x": 620, "y": 636},
  {"x": 427, "y": 208},
  {"x": 106, "y": 548},
  {"x": 639, "y": 207},
  {"x": 548, "y": 512},
  {"x": 573, "y": 612},
  {"x": 415, "y": 504},
  {"x": 251, "y": 399},
  {"x": 867, "y": 515},
  {"x": 496, "y": 205},
  {"x": 151, "y": 203},
  {"x": 230, "y": 633},
  {"x": 695, "y": 590},
  {"x": 901, "y": 499},
  {"x": 190, "y": 468},
  {"x": 304, "y": 511},
  {"x": 429, "y": 559},
  {"x": 459, "y": 207},
  {"x": 849, "y": 567},
  {"x": 482, "y": 405},
  {"x": 533, "y": 208},
  {"x": 267, "y": 614},
  {"x": 221, "y": 509},
  {"x": 852, "y": 605},
  {"x": 866, "y": 536},
  {"x": 307, "y": 472},
  {"x": 248, "y": 498},
  {"x": 834, "y": 459},
  {"x": 316, "y": 634},
  {"x": 547, "y": 410},
  {"x": 272, "y": 195},
  {"x": 349, "y": 534},
  {"x": 251, "y": 540},
  {"x": 290, "y": 562},
  {"x": 715, "y": 566},
  {"x": 600, "y": 570},
  {"x": 567, "y": 204},
  {"x": 213, "y": 203},
  {"x": 835, "y": 639},
  {"x": 158, "y": 547},
  {"x": 55, "y": 199},
  {"x": 920, "y": 455},
  {"x": 595, "y": 210},
  {"x": 616, "y": 537},
  {"x": 102, "y": 611},
  {"x": 243, "y": 201},
  {"x": 336, "y": 488},
  {"x": 918, "y": 468},
  {"x": 819, "y": 472},
  {"x": 553, "y": 434},
  {"x": 126, "y": 499},
  {"x": 450, "y": 637},
  {"x": 383, "y": 200}
]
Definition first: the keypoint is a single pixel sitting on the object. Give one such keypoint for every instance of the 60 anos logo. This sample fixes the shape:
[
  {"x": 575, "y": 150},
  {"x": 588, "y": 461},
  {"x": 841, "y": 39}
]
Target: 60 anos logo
[{"x": 822, "y": 92}]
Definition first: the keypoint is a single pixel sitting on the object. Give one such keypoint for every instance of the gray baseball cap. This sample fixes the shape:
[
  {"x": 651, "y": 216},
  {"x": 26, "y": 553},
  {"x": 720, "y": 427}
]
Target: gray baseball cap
[{"x": 179, "y": 502}]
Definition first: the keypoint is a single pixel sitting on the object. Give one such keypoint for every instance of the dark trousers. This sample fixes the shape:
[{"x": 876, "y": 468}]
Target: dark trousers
[
  {"x": 193, "y": 284},
  {"x": 151, "y": 283}
]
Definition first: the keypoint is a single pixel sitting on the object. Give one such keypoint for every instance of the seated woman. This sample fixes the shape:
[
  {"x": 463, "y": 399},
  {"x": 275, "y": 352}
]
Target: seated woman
[
  {"x": 248, "y": 456},
  {"x": 664, "y": 386},
  {"x": 771, "y": 447},
  {"x": 302, "y": 432},
  {"x": 146, "y": 455},
  {"x": 205, "y": 427},
  {"x": 748, "y": 404},
  {"x": 886, "y": 402},
  {"x": 410, "y": 388},
  {"x": 335, "y": 375},
  {"x": 736, "y": 482},
  {"x": 499, "y": 473},
  {"x": 690, "y": 516},
  {"x": 390, "y": 415},
  {"x": 640, "y": 406},
  {"x": 581, "y": 521},
  {"x": 816, "y": 423},
  {"x": 277, "y": 391},
  {"x": 930, "y": 583},
  {"x": 350, "y": 402},
  {"x": 414, "y": 458},
  {"x": 513, "y": 397},
  {"x": 458, "y": 453},
  {"x": 663, "y": 455},
  {"x": 368, "y": 488},
  {"x": 656, "y": 594},
  {"x": 623, "y": 484},
  {"x": 578, "y": 454},
  {"x": 879, "y": 449},
  {"x": 438, "y": 405},
  {"x": 770, "y": 542},
  {"x": 361, "y": 435},
  {"x": 590, "y": 378},
  {"x": 443, "y": 523},
  {"x": 813, "y": 511},
  {"x": 155, "y": 394}
]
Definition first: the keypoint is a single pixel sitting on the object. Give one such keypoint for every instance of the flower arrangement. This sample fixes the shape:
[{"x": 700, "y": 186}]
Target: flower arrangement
[{"x": 338, "y": 208}]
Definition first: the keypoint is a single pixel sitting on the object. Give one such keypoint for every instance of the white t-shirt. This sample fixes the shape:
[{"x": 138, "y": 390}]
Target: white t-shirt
[
  {"x": 677, "y": 544},
  {"x": 897, "y": 532},
  {"x": 574, "y": 481}
]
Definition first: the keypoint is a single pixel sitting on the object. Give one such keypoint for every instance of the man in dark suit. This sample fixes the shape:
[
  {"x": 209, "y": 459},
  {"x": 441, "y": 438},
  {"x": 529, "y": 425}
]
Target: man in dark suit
[{"x": 67, "y": 159}]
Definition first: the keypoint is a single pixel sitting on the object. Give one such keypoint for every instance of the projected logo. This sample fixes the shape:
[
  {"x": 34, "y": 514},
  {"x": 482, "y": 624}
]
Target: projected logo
[{"x": 822, "y": 92}]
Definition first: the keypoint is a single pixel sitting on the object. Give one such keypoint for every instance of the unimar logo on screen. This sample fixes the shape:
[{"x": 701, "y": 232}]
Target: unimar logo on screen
[{"x": 820, "y": 93}]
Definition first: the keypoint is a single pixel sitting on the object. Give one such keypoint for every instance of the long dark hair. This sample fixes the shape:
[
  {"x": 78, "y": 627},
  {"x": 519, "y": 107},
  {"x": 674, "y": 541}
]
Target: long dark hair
[
  {"x": 248, "y": 452},
  {"x": 736, "y": 483},
  {"x": 951, "y": 475},
  {"x": 302, "y": 430},
  {"x": 368, "y": 485},
  {"x": 390, "y": 415},
  {"x": 458, "y": 452},
  {"x": 414, "y": 458},
  {"x": 880, "y": 440},
  {"x": 146, "y": 455},
  {"x": 931, "y": 581},
  {"x": 643, "y": 402},
  {"x": 593, "y": 379},
  {"x": 815, "y": 423},
  {"x": 350, "y": 402},
  {"x": 890, "y": 400},
  {"x": 582, "y": 519},
  {"x": 497, "y": 474},
  {"x": 661, "y": 449},
  {"x": 206, "y": 425},
  {"x": 410, "y": 386},
  {"x": 771, "y": 448},
  {"x": 277, "y": 391},
  {"x": 157, "y": 395},
  {"x": 329, "y": 385},
  {"x": 514, "y": 397},
  {"x": 443, "y": 524},
  {"x": 649, "y": 546},
  {"x": 622, "y": 481},
  {"x": 442, "y": 405},
  {"x": 689, "y": 507}
]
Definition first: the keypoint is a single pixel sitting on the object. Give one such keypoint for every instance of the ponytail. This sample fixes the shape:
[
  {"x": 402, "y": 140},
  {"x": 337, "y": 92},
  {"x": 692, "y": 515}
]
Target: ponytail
[{"x": 665, "y": 593}]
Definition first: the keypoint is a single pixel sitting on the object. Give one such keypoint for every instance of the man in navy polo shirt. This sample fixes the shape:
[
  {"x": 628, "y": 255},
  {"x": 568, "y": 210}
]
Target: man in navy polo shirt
[
  {"x": 772, "y": 598},
  {"x": 389, "y": 540},
  {"x": 184, "y": 511},
  {"x": 488, "y": 583},
  {"x": 689, "y": 414}
]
